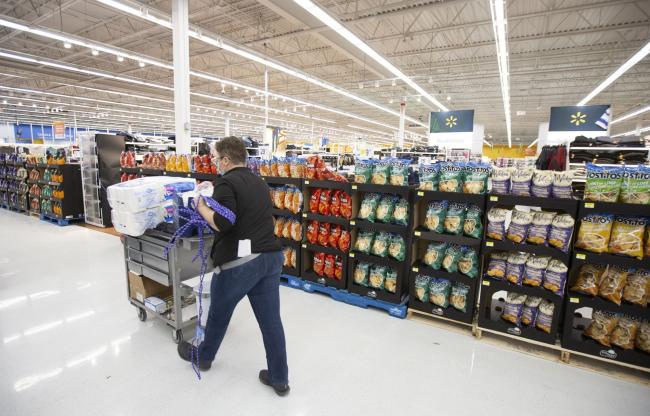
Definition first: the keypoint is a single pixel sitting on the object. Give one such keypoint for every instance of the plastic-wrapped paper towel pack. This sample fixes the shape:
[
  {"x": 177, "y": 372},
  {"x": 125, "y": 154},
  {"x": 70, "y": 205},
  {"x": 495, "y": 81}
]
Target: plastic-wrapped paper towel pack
[{"x": 144, "y": 203}]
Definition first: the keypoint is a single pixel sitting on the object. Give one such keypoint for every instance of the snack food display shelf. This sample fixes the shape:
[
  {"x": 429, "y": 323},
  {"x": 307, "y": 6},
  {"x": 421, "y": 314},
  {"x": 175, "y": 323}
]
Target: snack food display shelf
[
  {"x": 422, "y": 233},
  {"x": 312, "y": 183},
  {"x": 421, "y": 268},
  {"x": 595, "y": 302},
  {"x": 581, "y": 257},
  {"x": 42, "y": 182},
  {"x": 323, "y": 249},
  {"x": 311, "y": 216},
  {"x": 276, "y": 180},
  {"x": 403, "y": 191},
  {"x": 567, "y": 205},
  {"x": 491, "y": 306},
  {"x": 145, "y": 256},
  {"x": 476, "y": 199},
  {"x": 574, "y": 341},
  {"x": 386, "y": 261},
  {"x": 307, "y": 266},
  {"x": 507, "y": 245},
  {"x": 537, "y": 291},
  {"x": 379, "y": 226},
  {"x": 587, "y": 207},
  {"x": 285, "y": 213}
]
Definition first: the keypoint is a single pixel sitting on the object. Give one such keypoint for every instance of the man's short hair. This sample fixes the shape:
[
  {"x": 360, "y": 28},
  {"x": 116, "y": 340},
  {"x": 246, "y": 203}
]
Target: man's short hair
[{"x": 234, "y": 148}]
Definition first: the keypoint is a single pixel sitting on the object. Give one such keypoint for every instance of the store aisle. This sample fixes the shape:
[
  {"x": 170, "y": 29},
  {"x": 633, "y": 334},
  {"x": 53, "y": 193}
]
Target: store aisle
[{"x": 72, "y": 345}]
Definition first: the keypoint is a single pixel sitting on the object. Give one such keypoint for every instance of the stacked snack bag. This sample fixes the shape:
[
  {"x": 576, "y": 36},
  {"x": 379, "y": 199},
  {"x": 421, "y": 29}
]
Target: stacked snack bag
[{"x": 462, "y": 177}]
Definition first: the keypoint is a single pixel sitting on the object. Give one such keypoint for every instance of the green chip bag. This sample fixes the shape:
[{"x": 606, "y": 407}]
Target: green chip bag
[
  {"x": 451, "y": 177},
  {"x": 473, "y": 225},
  {"x": 452, "y": 255},
  {"x": 385, "y": 208},
  {"x": 476, "y": 177},
  {"x": 435, "y": 216},
  {"x": 380, "y": 244},
  {"x": 455, "y": 218},
  {"x": 397, "y": 247},
  {"x": 364, "y": 241},
  {"x": 390, "y": 284},
  {"x": 635, "y": 188},
  {"x": 399, "y": 172},
  {"x": 361, "y": 273},
  {"x": 468, "y": 262},
  {"x": 439, "y": 290},
  {"x": 458, "y": 297},
  {"x": 362, "y": 171},
  {"x": 603, "y": 183},
  {"x": 368, "y": 209},
  {"x": 434, "y": 254},
  {"x": 401, "y": 212},
  {"x": 381, "y": 172},
  {"x": 422, "y": 288},
  {"x": 377, "y": 276},
  {"x": 428, "y": 176}
]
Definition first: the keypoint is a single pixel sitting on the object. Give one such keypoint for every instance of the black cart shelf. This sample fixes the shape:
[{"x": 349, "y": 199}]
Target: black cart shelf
[{"x": 311, "y": 216}]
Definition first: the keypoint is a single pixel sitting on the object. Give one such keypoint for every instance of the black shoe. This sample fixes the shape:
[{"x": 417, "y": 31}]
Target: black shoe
[
  {"x": 280, "y": 389},
  {"x": 185, "y": 352}
]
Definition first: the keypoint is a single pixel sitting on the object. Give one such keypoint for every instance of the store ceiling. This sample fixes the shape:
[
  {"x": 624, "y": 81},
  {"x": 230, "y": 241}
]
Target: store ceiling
[{"x": 559, "y": 51}]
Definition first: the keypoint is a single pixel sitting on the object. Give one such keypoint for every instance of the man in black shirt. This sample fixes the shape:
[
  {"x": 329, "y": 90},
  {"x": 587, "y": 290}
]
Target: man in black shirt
[{"x": 248, "y": 261}]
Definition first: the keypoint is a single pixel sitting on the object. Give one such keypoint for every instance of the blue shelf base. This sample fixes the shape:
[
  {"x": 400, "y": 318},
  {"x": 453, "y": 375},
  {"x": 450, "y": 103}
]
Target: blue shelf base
[
  {"x": 396, "y": 310},
  {"x": 58, "y": 221}
]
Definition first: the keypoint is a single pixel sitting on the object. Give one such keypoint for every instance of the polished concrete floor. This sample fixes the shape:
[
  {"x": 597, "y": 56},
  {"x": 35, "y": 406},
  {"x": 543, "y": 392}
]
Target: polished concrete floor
[{"x": 71, "y": 344}]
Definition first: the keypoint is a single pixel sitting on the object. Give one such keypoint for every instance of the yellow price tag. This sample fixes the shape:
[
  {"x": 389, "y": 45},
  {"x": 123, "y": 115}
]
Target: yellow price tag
[
  {"x": 420, "y": 193},
  {"x": 306, "y": 182},
  {"x": 351, "y": 254},
  {"x": 354, "y": 186},
  {"x": 574, "y": 300},
  {"x": 353, "y": 222},
  {"x": 486, "y": 283},
  {"x": 417, "y": 233},
  {"x": 304, "y": 215},
  {"x": 494, "y": 198},
  {"x": 415, "y": 269},
  {"x": 189, "y": 175},
  {"x": 489, "y": 244},
  {"x": 304, "y": 246},
  {"x": 590, "y": 205},
  {"x": 581, "y": 256}
]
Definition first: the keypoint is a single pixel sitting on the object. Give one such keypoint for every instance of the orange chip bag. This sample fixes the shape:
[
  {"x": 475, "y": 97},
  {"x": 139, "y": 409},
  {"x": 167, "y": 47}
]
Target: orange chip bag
[
  {"x": 335, "y": 204},
  {"x": 312, "y": 232},
  {"x": 319, "y": 263},
  {"x": 329, "y": 266},
  {"x": 323, "y": 233}
]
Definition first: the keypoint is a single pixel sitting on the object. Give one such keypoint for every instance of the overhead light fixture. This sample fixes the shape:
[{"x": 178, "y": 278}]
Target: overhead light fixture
[
  {"x": 94, "y": 52},
  {"x": 391, "y": 101},
  {"x": 634, "y": 59},
  {"x": 633, "y": 132},
  {"x": 419, "y": 99},
  {"x": 449, "y": 98},
  {"x": 533, "y": 143},
  {"x": 324, "y": 17},
  {"x": 376, "y": 84},
  {"x": 120, "y": 58},
  {"x": 631, "y": 114},
  {"x": 4, "y": 101},
  {"x": 141, "y": 64},
  {"x": 499, "y": 22},
  {"x": 67, "y": 45},
  {"x": 486, "y": 142},
  {"x": 394, "y": 83}
]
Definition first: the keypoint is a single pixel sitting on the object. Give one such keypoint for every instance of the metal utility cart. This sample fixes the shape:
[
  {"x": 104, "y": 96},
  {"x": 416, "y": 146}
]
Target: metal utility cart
[{"x": 145, "y": 256}]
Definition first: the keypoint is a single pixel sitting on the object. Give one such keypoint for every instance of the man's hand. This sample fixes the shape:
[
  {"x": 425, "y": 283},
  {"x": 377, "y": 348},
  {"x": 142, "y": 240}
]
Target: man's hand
[{"x": 206, "y": 212}]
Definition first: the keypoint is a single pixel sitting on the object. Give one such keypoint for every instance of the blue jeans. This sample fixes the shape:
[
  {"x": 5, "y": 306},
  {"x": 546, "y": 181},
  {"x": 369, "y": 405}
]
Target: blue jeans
[{"x": 260, "y": 280}]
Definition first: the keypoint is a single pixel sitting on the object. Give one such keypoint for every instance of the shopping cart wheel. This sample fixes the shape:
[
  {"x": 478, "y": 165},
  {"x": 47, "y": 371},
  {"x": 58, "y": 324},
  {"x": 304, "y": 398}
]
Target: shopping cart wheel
[
  {"x": 177, "y": 335},
  {"x": 142, "y": 314}
]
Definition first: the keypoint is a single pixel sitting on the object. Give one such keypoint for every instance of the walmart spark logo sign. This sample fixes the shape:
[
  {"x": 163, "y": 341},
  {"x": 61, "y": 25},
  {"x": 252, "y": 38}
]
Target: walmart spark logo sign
[
  {"x": 579, "y": 118},
  {"x": 460, "y": 121}
]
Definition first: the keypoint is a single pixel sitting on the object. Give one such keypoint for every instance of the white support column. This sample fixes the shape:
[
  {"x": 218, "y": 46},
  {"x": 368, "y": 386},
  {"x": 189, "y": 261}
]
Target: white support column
[
  {"x": 266, "y": 97},
  {"x": 226, "y": 132},
  {"x": 402, "y": 115},
  {"x": 180, "y": 24}
]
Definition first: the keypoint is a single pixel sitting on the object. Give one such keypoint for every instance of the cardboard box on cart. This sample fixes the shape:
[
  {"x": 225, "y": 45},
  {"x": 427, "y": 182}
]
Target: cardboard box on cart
[{"x": 141, "y": 287}]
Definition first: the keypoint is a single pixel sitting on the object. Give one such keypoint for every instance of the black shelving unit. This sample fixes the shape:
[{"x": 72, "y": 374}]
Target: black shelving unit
[
  {"x": 157, "y": 172},
  {"x": 72, "y": 202},
  {"x": 401, "y": 267},
  {"x": 311, "y": 216},
  {"x": 287, "y": 242},
  {"x": 578, "y": 306},
  {"x": 307, "y": 264},
  {"x": 277, "y": 180},
  {"x": 491, "y": 302}
]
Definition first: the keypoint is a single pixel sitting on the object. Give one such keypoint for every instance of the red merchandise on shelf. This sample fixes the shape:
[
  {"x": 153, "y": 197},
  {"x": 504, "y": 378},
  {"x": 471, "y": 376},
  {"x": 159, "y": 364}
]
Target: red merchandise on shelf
[
  {"x": 335, "y": 234},
  {"x": 324, "y": 202},
  {"x": 344, "y": 241},
  {"x": 314, "y": 200},
  {"x": 323, "y": 233},
  {"x": 329, "y": 266},
  {"x": 335, "y": 204},
  {"x": 338, "y": 268},
  {"x": 319, "y": 263},
  {"x": 312, "y": 232},
  {"x": 316, "y": 169},
  {"x": 346, "y": 205}
]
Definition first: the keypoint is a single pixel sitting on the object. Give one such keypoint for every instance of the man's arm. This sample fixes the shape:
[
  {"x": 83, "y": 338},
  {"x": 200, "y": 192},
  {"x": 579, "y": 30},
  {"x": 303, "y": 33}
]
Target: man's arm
[
  {"x": 207, "y": 213},
  {"x": 225, "y": 196}
]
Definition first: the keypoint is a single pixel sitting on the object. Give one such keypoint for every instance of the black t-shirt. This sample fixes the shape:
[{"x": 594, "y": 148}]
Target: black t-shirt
[{"x": 247, "y": 196}]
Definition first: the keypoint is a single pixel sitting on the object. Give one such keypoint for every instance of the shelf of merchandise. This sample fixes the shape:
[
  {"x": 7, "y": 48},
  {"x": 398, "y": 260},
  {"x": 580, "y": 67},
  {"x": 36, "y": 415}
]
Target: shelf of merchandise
[
  {"x": 277, "y": 180},
  {"x": 424, "y": 234},
  {"x": 158, "y": 172},
  {"x": 490, "y": 245},
  {"x": 313, "y": 183},
  {"x": 451, "y": 313},
  {"x": 287, "y": 242},
  {"x": 476, "y": 199},
  {"x": 575, "y": 317},
  {"x": 311, "y": 216},
  {"x": 553, "y": 204},
  {"x": 307, "y": 271},
  {"x": 72, "y": 206},
  {"x": 11, "y": 190},
  {"x": 285, "y": 213},
  {"x": 401, "y": 267}
]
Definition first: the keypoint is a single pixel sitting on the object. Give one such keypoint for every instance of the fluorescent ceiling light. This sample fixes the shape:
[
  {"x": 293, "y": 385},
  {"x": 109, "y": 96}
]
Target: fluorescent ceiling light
[
  {"x": 631, "y": 114},
  {"x": 634, "y": 59},
  {"x": 533, "y": 143},
  {"x": 334, "y": 24},
  {"x": 633, "y": 132},
  {"x": 499, "y": 22}
]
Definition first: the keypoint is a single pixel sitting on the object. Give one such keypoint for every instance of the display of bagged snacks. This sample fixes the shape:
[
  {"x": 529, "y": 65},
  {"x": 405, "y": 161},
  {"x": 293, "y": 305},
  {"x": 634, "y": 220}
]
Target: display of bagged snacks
[
  {"x": 390, "y": 283},
  {"x": 455, "y": 218},
  {"x": 519, "y": 224},
  {"x": 435, "y": 216},
  {"x": 468, "y": 262},
  {"x": 642, "y": 340},
  {"x": 314, "y": 200},
  {"x": 561, "y": 232},
  {"x": 364, "y": 241},
  {"x": 562, "y": 185},
  {"x": 335, "y": 204},
  {"x": 362, "y": 171},
  {"x": 451, "y": 177},
  {"x": 434, "y": 254},
  {"x": 385, "y": 208},
  {"x": 380, "y": 244},
  {"x": 513, "y": 308},
  {"x": 520, "y": 182},
  {"x": 451, "y": 257},
  {"x": 500, "y": 180},
  {"x": 475, "y": 179},
  {"x": 377, "y": 276},
  {"x": 401, "y": 212},
  {"x": 380, "y": 172},
  {"x": 594, "y": 232},
  {"x": 368, "y": 209},
  {"x": 603, "y": 183},
  {"x": 428, "y": 177},
  {"x": 624, "y": 333},
  {"x": 397, "y": 247},
  {"x": 601, "y": 327},
  {"x": 422, "y": 288},
  {"x": 439, "y": 290},
  {"x": 635, "y": 186},
  {"x": 361, "y": 272},
  {"x": 530, "y": 311},
  {"x": 515, "y": 267},
  {"x": 458, "y": 296},
  {"x": 473, "y": 225},
  {"x": 496, "y": 226},
  {"x": 612, "y": 284},
  {"x": 544, "y": 320},
  {"x": 399, "y": 172},
  {"x": 588, "y": 279},
  {"x": 542, "y": 183},
  {"x": 637, "y": 288},
  {"x": 498, "y": 264},
  {"x": 627, "y": 236},
  {"x": 540, "y": 227},
  {"x": 555, "y": 276},
  {"x": 535, "y": 270},
  {"x": 324, "y": 202}
]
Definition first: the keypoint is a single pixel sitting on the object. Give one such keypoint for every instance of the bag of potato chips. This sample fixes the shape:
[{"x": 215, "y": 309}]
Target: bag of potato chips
[
  {"x": 627, "y": 236},
  {"x": 594, "y": 233}
]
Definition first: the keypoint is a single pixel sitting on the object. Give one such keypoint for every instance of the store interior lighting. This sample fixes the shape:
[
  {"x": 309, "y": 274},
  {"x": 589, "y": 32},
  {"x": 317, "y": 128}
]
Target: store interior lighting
[
  {"x": 631, "y": 114},
  {"x": 334, "y": 24},
  {"x": 634, "y": 59},
  {"x": 499, "y": 23}
]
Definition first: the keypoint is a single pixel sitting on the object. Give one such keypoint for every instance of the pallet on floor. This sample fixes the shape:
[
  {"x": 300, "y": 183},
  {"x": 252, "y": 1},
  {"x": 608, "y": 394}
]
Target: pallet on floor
[
  {"x": 439, "y": 321},
  {"x": 61, "y": 222},
  {"x": 396, "y": 310}
]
